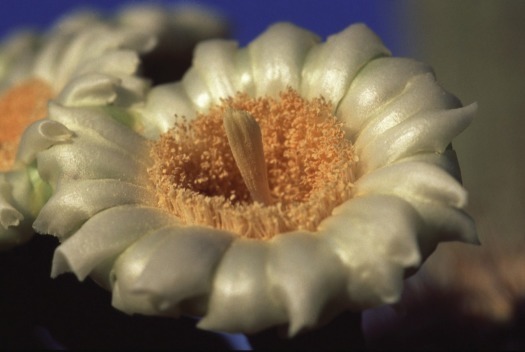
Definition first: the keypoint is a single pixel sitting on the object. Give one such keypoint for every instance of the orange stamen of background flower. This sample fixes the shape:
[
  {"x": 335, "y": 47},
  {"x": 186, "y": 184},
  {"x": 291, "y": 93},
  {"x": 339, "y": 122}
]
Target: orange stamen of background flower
[{"x": 20, "y": 106}]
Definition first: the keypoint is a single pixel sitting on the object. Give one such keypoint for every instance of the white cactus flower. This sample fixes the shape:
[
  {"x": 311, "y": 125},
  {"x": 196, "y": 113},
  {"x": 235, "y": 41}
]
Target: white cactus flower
[
  {"x": 84, "y": 60},
  {"x": 280, "y": 183}
]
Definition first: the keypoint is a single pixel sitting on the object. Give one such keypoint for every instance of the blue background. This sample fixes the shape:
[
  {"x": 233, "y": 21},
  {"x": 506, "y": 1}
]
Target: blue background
[{"x": 249, "y": 18}]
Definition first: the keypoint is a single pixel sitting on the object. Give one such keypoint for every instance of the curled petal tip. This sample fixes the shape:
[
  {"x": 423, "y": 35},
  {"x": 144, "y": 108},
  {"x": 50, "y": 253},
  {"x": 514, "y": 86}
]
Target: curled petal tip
[
  {"x": 40, "y": 136},
  {"x": 10, "y": 217},
  {"x": 54, "y": 131}
]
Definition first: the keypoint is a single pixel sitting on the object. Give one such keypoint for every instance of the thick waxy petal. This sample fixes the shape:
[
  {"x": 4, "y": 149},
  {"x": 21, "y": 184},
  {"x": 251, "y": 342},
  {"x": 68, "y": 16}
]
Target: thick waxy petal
[
  {"x": 447, "y": 160},
  {"x": 16, "y": 57},
  {"x": 106, "y": 235},
  {"x": 304, "y": 289},
  {"x": 116, "y": 63},
  {"x": 9, "y": 216},
  {"x": 241, "y": 298},
  {"x": 27, "y": 191},
  {"x": 90, "y": 90},
  {"x": 165, "y": 105},
  {"x": 45, "y": 63},
  {"x": 421, "y": 94},
  {"x": 426, "y": 132},
  {"x": 215, "y": 63},
  {"x": 169, "y": 267},
  {"x": 60, "y": 60},
  {"x": 15, "y": 217},
  {"x": 40, "y": 136},
  {"x": 414, "y": 181},
  {"x": 245, "y": 72},
  {"x": 80, "y": 200},
  {"x": 330, "y": 67},
  {"x": 376, "y": 239},
  {"x": 277, "y": 58},
  {"x": 444, "y": 224},
  {"x": 103, "y": 124},
  {"x": 68, "y": 162},
  {"x": 197, "y": 90},
  {"x": 376, "y": 84}
]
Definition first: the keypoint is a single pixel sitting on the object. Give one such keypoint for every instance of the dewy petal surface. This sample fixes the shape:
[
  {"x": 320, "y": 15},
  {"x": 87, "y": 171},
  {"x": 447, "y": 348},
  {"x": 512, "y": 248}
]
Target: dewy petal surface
[
  {"x": 331, "y": 66},
  {"x": 374, "y": 251},
  {"x": 403, "y": 194},
  {"x": 380, "y": 81},
  {"x": 277, "y": 57},
  {"x": 116, "y": 228},
  {"x": 240, "y": 299},
  {"x": 177, "y": 247}
]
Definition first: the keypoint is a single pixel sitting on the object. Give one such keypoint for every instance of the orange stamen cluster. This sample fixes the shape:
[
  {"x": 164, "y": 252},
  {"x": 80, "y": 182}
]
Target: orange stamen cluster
[
  {"x": 309, "y": 163},
  {"x": 20, "y": 106}
]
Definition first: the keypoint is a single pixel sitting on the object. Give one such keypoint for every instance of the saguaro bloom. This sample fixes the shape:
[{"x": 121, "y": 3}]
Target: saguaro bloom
[{"x": 280, "y": 183}]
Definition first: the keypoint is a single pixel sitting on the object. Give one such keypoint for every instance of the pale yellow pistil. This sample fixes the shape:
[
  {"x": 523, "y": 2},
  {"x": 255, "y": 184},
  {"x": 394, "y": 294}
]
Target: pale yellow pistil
[
  {"x": 256, "y": 167},
  {"x": 20, "y": 106},
  {"x": 245, "y": 139}
]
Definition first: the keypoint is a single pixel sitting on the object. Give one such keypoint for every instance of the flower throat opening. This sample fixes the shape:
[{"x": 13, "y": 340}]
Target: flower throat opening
[
  {"x": 20, "y": 106},
  {"x": 307, "y": 159}
]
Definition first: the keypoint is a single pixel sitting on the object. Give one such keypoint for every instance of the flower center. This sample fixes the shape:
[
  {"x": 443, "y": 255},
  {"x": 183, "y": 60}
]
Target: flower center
[
  {"x": 255, "y": 167},
  {"x": 20, "y": 106}
]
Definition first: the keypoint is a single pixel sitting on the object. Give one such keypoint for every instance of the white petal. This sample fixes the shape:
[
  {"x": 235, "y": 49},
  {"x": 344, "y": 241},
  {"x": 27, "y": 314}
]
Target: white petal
[
  {"x": 40, "y": 136},
  {"x": 80, "y": 200},
  {"x": 197, "y": 90},
  {"x": 376, "y": 239},
  {"x": 170, "y": 266},
  {"x": 422, "y": 93},
  {"x": 214, "y": 60},
  {"x": 102, "y": 123},
  {"x": 106, "y": 235},
  {"x": 412, "y": 180},
  {"x": 9, "y": 216},
  {"x": 444, "y": 224},
  {"x": 240, "y": 298},
  {"x": 73, "y": 53},
  {"x": 46, "y": 62},
  {"x": 376, "y": 84},
  {"x": 331, "y": 66},
  {"x": 17, "y": 54},
  {"x": 28, "y": 192},
  {"x": 93, "y": 89},
  {"x": 244, "y": 72},
  {"x": 164, "y": 105},
  {"x": 277, "y": 58},
  {"x": 131, "y": 91},
  {"x": 74, "y": 22},
  {"x": 15, "y": 215},
  {"x": 90, "y": 158},
  {"x": 15, "y": 236},
  {"x": 306, "y": 276},
  {"x": 219, "y": 71},
  {"x": 447, "y": 160},
  {"x": 87, "y": 44},
  {"x": 119, "y": 66},
  {"x": 426, "y": 132},
  {"x": 116, "y": 63}
]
